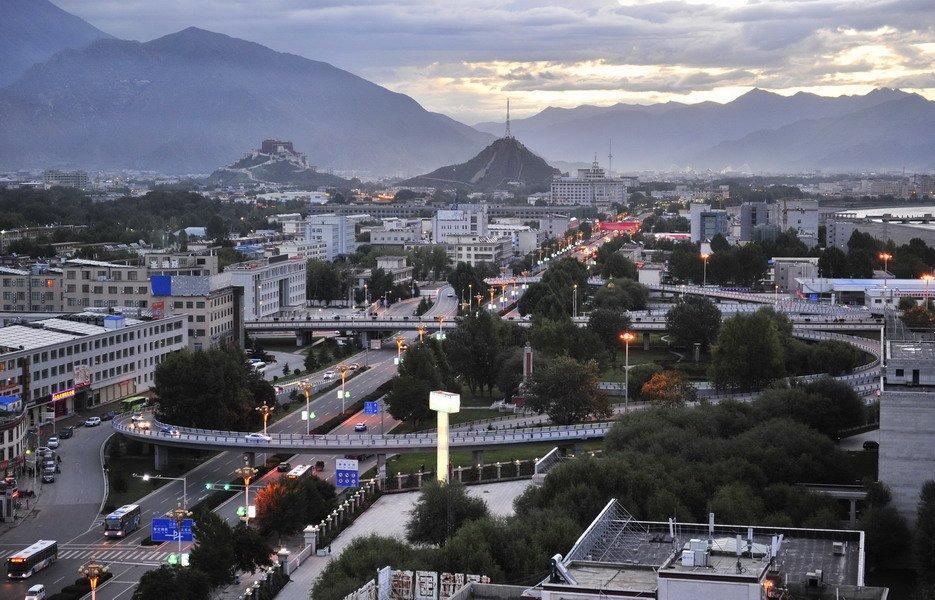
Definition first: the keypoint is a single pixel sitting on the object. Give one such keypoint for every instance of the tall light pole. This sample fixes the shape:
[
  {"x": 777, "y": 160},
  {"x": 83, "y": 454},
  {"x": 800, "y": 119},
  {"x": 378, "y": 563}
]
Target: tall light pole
[
  {"x": 574, "y": 301},
  {"x": 179, "y": 515},
  {"x": 885, "y": 257},
  {"x": 307, "y": 390},
  {"x": 421, "y": 330},
  {"x": 470, "y": 296},
  {"x": 927, "y": 277},
  {"x": 246, "y": 473},
  {"x": 344, "y": 369},
  {"x": 440, "y": 319},
  {"x": 400, "y": 342},
  {"x": 443, "y": 403},
  {"x": 626, "y": 337},
  {"x": 93, "y": 571},
  {"x": 265, "y": 411},
  {"x": 147, "y": 477},
  {"x": 704, "y": 269}
]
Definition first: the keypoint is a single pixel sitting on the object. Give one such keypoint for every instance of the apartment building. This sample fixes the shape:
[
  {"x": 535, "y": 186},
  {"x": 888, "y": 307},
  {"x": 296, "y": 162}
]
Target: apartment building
[
  {"x": 98, "y": 284},
  {"x": 75, "y": 179},
  {"x": 73, "y": 361},
  {"x": 336, "y": 231},
  {"x": 473, "y": 249},
  {"x": 524, "y": 239},
  {"x": 707, "y": 222},
  {"x": 468, "y": 220},
  {"x": 36, "y": 289},
  {"x": 397, "y": 233},
  {"x": 591, "y": 186},
  {"x": 212, "y": 306},
  {"x": 798, "y": 215},
  {"x": 269, "y": 284}
]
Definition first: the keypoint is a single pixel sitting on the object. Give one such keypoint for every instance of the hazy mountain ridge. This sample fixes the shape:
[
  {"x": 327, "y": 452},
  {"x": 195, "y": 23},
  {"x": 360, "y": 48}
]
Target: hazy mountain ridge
[
  {"x": 700, "y": 135},
  {"x": 504, "y": 161},
  {"x": 189, "y": 101},
  {"x": 32, "y": 31}
]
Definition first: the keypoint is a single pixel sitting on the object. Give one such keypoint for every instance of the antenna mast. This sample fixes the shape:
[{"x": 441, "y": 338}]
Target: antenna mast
[
  {"x": 610, "y": 158},
  {"x": 509, "y": 134}
]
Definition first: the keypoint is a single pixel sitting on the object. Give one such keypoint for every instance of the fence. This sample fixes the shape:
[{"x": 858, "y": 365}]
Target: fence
[{"x": 473, "y": 475}]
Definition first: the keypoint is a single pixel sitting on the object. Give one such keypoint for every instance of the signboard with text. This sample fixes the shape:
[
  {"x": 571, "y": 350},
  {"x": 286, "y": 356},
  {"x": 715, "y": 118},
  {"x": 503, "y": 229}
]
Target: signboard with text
[
  {"x": 166, "y": 530},
  {"x": 371, "y": 408},
  {"x": 346, "y": 473}
]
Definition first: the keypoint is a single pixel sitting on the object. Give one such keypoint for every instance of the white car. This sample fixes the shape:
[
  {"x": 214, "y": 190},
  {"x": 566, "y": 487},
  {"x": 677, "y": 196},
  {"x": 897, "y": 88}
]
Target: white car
[
  {"x": 360, "y": 427},
  {"x": 92, "y": 422},
  {"x": 258, "y": 437},
  {"x": 329, "y": 375},
  {"x": 36, "y": 592},
  {"x": 52, "y": 442}
]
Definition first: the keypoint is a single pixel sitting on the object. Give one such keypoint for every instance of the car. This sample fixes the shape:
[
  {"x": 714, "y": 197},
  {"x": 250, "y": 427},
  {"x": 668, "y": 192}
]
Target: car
[
  {"x": 360, "y": 427},
  {"x": 284, "y": 467},
  {"x": 329, "y": 375},
  {"x": 170, "y": 431},
  {"x": 871, "y": 445},
  {"x": 66, "y": 433},
  {"x": 279, "y": 390},
  {"x": 353, "y": 366},
  {"x": 450, "y": 295},
  {"x": 109, "y": 415},
  {"x": 48, "y": 475},
  {"x": 258, "y": 437},
  {"x": 92, "y": 422},
  {"x": 52, "y": 442},
  {"x": 36, "y": 592}
]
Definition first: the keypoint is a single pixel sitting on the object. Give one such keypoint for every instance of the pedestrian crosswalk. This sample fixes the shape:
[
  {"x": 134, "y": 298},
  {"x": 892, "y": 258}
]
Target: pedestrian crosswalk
[{"x": 130, "y": 555}]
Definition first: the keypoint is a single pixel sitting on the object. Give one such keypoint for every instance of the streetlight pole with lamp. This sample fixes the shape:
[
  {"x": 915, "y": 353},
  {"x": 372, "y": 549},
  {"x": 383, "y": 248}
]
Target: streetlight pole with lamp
[
  {"x": 265, "y": 410},
  {"x": 626, "y": 337},
  {"x": 246, "y": 473},
  {"x": 704, "y": 269},
  {"x": 93, "y": 571},
  {"x": 574, "y": 301},
  {"x": 344, "y": 369},
  {"x": 421, "y": 330},
  {"x": 307, "y": 390},
  {"x": 927, "y": 277},
  {"x": 148, "y": 477},
  {"x": 885, "y": 257},
  {"x": 179, "y": 514}
]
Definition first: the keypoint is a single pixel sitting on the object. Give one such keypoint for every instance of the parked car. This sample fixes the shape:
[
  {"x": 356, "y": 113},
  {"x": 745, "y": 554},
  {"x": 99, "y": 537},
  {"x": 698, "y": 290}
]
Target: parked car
[
  {"x": 36, "y": 592},
  {"x": 48, "y": 475},
  {"x": 66, "y": 432},
  {"x": 109, "y": 415},
  {"x": 284, "y": 467},
  {"x": 92, "y": 422},
  {"x": 360, "y": 427},
  {"x": 871, "y": 445},
  {"x": 52, "y": 442},
  {"x": 258, "y": 437}
]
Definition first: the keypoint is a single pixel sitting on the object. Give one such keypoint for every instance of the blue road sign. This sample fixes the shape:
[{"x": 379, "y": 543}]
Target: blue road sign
[
  {"x": 346, "y": 473},
  {"x": 165, "y": 530},
  {"x": 371, "y": 408},
  {"x": 813, "y": 297}
]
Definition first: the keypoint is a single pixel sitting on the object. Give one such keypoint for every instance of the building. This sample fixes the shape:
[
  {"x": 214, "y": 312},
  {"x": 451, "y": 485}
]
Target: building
[
  {"x": 74, "y": 361},
  {"x": 875, "y": 294},
  {"x": 397, "y": 267},
  {"x": 37, "y": 289},
  {"x": 620, "y": 557},
  {"x": 473, "y": 249},
  {"x": 471, "y": 220},
  {"x": 182, "y": 263},
  {"x": 12, "y": 437},
  {"x": 269, "y": 285},
  {"x": 591, "y": 186},
  {"x": 98, "y": 284},
  {"x": 706, "y": 222},
  {"x": 313, "y": 250},
  {"x": 907, "y": 439},
  {"x": 74, "y": 179},
  {"x": 554, "y": 225},
  {"x": 523, "y": 238},
  {"x": 799, "y": 215},
  {"x": 398, "y": 232},
  {"x": 337, "y": 232},
  {"x": 212, "y": 306},
  {"x": 752, "y": 214},
  {"x": 787, "y": 269},
  {"x": 840, "y": 227},
  {"x": 36, "y": 234}
]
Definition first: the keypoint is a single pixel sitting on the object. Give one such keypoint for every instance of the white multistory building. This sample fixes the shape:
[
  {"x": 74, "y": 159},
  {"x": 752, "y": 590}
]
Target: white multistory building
[
  {"x": 471, "y": 220},
  {"x": 336, "y": 231},
  {"x": 269, "y": 284},
  {"x": 591, "y": 186}
]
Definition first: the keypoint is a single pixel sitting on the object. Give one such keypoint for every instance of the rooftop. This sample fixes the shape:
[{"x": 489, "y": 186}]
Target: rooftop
[
  {"x": 55, "y": 330},
  {"x": 911, "y": 350}
]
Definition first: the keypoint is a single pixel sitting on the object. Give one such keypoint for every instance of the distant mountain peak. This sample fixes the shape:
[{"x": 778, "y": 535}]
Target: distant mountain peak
[{"x": 275, "y": 161}]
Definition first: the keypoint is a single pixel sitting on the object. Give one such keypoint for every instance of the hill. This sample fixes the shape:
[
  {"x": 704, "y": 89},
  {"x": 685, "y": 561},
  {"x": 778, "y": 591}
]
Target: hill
[
  {"x": 503, "y": 164},
  {"x": 673, "y": 134},
  {"x": 275, "y": 162},
  {"x": 192, "y": 100},
  {"x": 31, "y": 31}
]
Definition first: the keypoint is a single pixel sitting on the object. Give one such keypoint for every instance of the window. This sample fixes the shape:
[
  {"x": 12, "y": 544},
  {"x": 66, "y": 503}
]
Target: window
[{"x": 899, "y": 372}]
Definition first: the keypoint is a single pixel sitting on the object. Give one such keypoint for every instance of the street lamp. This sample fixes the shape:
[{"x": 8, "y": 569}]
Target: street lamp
[
  {"x": 344, "y": 369},
  {"x": 927, "y": 277},
  {"x": 179, "y": 514},
  {"x": 704, "y": 272},
  {"x": 147, "y": 477},
  {"x": 93, "y": 571},
  {"x": 470, "y": 296},
  {"x": 307, "y": 390},
  {"x": 440, "y": 319},
  {"x": 885, "y": 257},
  {"x": 265, "y": 411},
  {"x": 246, "y": 473},
  {"x": 626, "y": 337},
  {"x": 574, "y": 301},
  {"x": 400, "y": 342}
]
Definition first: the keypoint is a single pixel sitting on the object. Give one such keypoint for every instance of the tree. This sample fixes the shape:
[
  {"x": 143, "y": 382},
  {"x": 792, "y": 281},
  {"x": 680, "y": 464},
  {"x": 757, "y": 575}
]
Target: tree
[
  {"x": 212, "y": 389},
  {"x": 361, "y": 559},
  {"x": 280, "y": 508},
  {"x": 886, "y": 533},
  {"x": 622, "y": 294},
  {"x": 668, "y": 388},
  {"x": 694, "y": 319},
  {"x": 617, "y": 265},
  {"x": 567, "y": 391},
  {"x": 429, "y": 261},
  {"x": 639, "y": 375},
  {"x": 473, "y": 348},
  {"x": 214, "y": 553},
  {"x": 736, "y": 503},
  {"x": 217, "y": 229},
  {"x": 685, "y": 263},
  {"x": 918, "y": 317},
  {"x": 608, "y": 325},
  {"x": 833, "y": 357},
  {"x": 748, "y": 353},
  {"x": 923, "y": 541},
  {"x": 442, "y": 508},
  {"x": 250, "y": 549},
  {"x": 325, "y": 281},
  {"x": 466, "y": 281},
  {"x": 424, "y": 368},
  {"x": 178, "y": 583},
  {"x": 719, "y": 243}
]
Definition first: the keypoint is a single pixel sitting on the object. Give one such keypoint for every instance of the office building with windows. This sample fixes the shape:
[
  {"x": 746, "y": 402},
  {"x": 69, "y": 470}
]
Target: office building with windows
[{"x": 269, "y": 285}]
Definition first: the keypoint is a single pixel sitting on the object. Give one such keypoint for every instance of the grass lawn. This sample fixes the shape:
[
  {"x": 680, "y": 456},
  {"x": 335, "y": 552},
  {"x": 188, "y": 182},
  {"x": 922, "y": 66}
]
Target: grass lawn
[
  {"x": 409, "y": 463},
  {"x": 465, "y": 415}
]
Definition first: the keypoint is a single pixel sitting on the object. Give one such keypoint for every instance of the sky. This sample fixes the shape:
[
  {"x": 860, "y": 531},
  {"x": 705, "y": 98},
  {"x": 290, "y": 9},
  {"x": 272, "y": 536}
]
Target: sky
[{"x": 464, "y": 58}]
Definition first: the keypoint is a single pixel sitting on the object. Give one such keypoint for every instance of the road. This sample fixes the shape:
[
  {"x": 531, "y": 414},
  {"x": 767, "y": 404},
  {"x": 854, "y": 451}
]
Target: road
[{"x": 127, "y": 559}]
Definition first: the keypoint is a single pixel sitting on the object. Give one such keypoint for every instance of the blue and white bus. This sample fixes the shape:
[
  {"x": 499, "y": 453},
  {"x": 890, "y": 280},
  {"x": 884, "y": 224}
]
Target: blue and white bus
[
  {"x": 26, "y": 562},
  {"x": 122, "y": 521}
]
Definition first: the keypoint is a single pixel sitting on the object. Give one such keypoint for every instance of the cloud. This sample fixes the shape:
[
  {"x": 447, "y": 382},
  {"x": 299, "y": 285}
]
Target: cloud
[{"x": 463, "y": 57}]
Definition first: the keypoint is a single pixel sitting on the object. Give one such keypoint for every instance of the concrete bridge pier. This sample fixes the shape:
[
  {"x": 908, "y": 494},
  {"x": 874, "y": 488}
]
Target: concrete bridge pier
[
  {"x": 646, "y": 337},
  {"x": 161, "y": 458},
  {"x": 302, "y": 338},
  {"x": 249, "y": 459},
  {"x": 477, "y": 457}
]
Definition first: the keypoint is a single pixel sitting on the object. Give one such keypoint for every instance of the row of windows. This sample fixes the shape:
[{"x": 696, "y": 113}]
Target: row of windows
[{"x": 114, "y": 274}]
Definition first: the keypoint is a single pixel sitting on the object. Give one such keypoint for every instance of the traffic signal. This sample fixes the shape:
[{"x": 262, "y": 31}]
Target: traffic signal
[
  {"x": 227, "y": 487},
  {"x": 209, "y": 486},
  {"x": 173, "y": 559},
  {"x": 183, "y": 560}
]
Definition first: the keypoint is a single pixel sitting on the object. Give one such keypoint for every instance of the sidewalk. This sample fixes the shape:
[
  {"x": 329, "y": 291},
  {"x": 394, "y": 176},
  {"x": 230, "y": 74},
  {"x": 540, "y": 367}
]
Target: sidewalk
[{"x": 384, "y": 518}]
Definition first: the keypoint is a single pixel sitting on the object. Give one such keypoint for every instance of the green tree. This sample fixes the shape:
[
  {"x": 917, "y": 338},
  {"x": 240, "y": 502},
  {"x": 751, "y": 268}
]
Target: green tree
[
  {"x": 424, "y": 368},
  {"x": 325, "y": 281},
  {"x": 622, "y": 294},
  {"x": 887, "y": 535},
  {"x": 466, "y": 281},
  {"x": 923, "y": 541},
  {"x": 607, "y": 325},
  {"x": 473, "y": 348},
  {"x": 214, "y": 553},
  {"x": 639, "y": 375},
  {"x": 736, "y": 503},
  {"x": 694, "y": 319},
  {"x": 212, "y": 389},
  {"x": 440, "y": 511},
  {"x": 567, "y": 391},
  {"x": 833, "y": 357},
  {"x": 833, "y": 263},
  {"x": 361, "y": 559},
  {"x": 685, "y": 263},
  {"x": 251, "y": 551},
  {"x": 217, "y": 229},
  {"x": 719, "y": 243},
  {"x": 178, "y": 583},
  {"x": 618, "y": 266},
  {"x": 748, "y": 353}
]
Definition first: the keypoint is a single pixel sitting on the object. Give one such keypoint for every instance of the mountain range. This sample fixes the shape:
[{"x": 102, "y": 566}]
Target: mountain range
[
  {"x": 760, "y": 130},
  {"x": 506, "y": 163}
]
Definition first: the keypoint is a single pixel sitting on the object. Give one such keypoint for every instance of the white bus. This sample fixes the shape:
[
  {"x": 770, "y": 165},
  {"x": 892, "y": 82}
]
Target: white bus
[
  {"x": 122, "y": 521},
  {"x": 298, "y": 471},
  {"x": 26, "y": 562}
]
